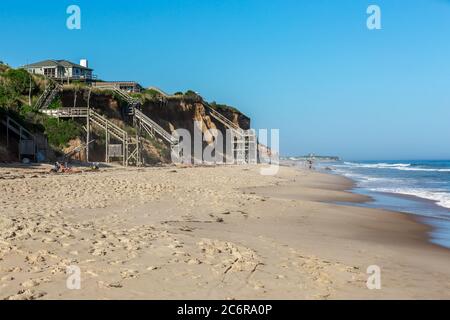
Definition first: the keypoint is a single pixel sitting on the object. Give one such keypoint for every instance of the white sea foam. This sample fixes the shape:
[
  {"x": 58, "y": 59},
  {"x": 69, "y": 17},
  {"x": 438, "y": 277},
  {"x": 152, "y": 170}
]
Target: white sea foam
[
  {"x": 361, "y": 178},
  {"x": 377, "y": 165},
  {"x": 393, "y": 166},
  {"x": 442, "y": 198},
  {"x": 424, "y": 169}
]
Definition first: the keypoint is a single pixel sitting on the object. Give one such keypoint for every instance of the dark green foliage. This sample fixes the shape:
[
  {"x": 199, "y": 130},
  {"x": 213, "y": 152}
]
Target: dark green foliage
[
  {"x": 3, "y": 67},
  {"x": 56, "y": 104},
  {"x": 8, "y": 97},
  {"x": 223, "y": 107},
  {"x": 152, "y": 92},
  {"x": 4, "y": 96},
  {"x": 191, "y": 93},
  {"x": 14, "y": 87},
  {"x": 19, "y": 81},
  {"x": 59, "y": 133},
  {"x": 26, "y": 110}
]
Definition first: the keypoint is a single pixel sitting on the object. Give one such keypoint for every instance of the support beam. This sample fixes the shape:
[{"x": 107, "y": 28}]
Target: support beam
[
  {"x": 88, "y": 130},
  {"x": 107, "y": 144},
  {"x": 7, "y": 132}
]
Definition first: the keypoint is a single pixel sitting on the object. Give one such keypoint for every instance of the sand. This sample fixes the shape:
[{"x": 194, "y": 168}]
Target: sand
[{"x": 206, "y": 233}]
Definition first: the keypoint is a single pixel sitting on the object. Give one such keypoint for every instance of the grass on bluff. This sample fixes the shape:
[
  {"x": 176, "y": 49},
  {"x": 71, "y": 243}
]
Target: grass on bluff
[
  {"x": 16, "y": 87},
  {"x": 223, "y": 107},
  {"x": 59, "y": 133}
]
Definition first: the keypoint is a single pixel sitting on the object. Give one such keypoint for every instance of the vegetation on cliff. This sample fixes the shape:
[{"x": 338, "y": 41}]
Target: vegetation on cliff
[
  {"x": 20, "y": 90},
  {"x": 59, "y": 133}
]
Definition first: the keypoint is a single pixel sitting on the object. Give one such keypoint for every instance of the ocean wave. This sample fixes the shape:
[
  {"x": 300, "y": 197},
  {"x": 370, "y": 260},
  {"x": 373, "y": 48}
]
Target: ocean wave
[
  {"x": 440, "y": 197},
  {"x": 366, "y": 181},
  {"x": 424, "y": 169},
  {"x": 377, "y": 165},
  {"x": 393, "y": 166}
]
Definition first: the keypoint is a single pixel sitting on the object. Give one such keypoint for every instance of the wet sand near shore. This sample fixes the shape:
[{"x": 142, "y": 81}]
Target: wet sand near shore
[{"x": 206, "y": 233}]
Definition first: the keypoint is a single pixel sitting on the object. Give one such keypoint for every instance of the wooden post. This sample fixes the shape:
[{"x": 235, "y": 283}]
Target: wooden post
[
  {"x": 87, "y": 135},
  {"x": 125, "y": 151},
  {"x": 29, "y": 92},
  {"x": 7, "y": 132},
  {"x": 20, "y": 140},
  {"x": 88, "y": 125},
  {"x": 106, "y": 143},
  {"x": 75, "y": 97},
  {"x": 138, "y": 150}
]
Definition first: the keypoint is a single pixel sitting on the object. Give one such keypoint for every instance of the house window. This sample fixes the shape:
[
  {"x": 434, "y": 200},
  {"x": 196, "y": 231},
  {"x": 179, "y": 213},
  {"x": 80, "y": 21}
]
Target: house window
[{"x": 50, "y": 72}]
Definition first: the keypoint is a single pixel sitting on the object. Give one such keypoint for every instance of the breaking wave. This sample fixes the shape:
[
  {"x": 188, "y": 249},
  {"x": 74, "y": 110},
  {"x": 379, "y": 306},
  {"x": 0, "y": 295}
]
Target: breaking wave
[
  {"x": 440, "y": 197},
  {"x": 393, "y": 166}
]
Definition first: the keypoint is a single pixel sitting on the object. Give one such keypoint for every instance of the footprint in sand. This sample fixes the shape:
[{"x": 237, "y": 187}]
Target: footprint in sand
[
  {"x": 34, "y": 282},
  {"x": 129, "y": 274},
  {"x": 26, "y": 294}
]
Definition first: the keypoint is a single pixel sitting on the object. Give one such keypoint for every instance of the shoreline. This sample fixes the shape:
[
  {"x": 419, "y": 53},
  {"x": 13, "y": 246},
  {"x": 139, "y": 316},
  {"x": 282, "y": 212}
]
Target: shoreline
[
  {"x": 415, "y": 217},
  {"x": 207, "y": 233},
  {"x": 416, "y": 236},
  {"x": 348, "y": 186},
  {"x": 421, "y": 218}
]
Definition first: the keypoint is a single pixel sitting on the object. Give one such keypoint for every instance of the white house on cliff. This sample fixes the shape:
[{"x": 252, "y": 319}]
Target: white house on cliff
[{"x": 62, "y": 70}]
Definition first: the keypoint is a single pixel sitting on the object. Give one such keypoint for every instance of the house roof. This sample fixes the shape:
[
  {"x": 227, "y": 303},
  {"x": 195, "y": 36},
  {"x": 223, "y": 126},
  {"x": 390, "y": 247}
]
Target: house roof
[{"x": 55, "y": 63}]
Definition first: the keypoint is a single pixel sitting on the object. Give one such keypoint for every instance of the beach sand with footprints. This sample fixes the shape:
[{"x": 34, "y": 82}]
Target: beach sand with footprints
[{"x": 205, "y": 233}]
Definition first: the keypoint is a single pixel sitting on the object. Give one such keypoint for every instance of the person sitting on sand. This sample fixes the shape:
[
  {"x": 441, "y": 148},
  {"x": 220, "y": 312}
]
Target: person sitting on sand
[
  {"x": 62, "y": 168},
  {"x": 56, "y": 167}
]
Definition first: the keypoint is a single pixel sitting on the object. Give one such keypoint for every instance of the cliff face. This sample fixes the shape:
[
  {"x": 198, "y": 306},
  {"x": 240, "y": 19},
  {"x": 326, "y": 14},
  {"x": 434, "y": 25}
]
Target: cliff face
[
  {"x": 171, "y": 113},
  {"x": 106, "y": 103},
  {"x": 181, "y": 113}
]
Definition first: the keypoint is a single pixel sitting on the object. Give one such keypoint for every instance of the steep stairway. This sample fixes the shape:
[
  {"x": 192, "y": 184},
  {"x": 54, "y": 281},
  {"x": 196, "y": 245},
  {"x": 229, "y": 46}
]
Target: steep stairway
[
  {"x": 129, "y": 151},
  {"x": 26, "y": 140},
  {"x": 143, "y": 122},
  {"x": 49, "y": 94},
  {"x": 244, "y": 142}
]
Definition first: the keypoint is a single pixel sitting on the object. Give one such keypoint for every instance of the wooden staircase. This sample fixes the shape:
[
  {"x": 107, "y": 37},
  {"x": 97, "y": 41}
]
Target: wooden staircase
[
  {"x": 50, "y": 93},
  {"x": 133, "y": 103},
  {"x": 144, "y": 123},
  {"x": 244, "y": 142},
  {"x": 129, "y": 151},
  {"x": 152, "y": 128},
  {"x": 27, "y": 140}
]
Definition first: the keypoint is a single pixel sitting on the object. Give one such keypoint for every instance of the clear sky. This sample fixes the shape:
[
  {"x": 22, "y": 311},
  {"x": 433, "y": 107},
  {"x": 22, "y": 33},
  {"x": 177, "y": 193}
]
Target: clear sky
[{"x": 310, "y": 68}]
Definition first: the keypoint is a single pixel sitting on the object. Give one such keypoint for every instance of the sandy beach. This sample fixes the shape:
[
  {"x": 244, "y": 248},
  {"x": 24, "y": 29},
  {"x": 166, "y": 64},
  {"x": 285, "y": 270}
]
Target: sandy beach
[{"x": 206, "y": 233}]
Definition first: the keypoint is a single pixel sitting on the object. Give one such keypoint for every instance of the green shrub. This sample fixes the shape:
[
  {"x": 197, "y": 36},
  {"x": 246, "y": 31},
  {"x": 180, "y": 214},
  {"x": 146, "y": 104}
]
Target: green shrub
[
  {"x": 3, "y": 96},
  {"x": 55, "y": 104},
  {"x": 223, "y": 107},
  {"x": 26, "y": 109},
  {"x": 191, "y": 93},
  {"x": 19, "y": 80},
  {"x": 9, "y": 99},
  {"x": 59, "y": 133},
  {"x": 152, "y": 92},
  {"x": 3, "y": 67}
]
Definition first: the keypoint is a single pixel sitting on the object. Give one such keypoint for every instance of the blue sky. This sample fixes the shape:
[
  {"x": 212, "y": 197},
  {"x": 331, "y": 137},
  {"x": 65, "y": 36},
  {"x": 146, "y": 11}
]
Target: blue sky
[{"x": 310, "y": 68}]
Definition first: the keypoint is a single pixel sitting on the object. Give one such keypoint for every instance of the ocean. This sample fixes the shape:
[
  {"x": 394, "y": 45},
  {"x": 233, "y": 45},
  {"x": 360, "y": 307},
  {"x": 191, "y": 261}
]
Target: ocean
[{"x": 420, "y": 187}]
